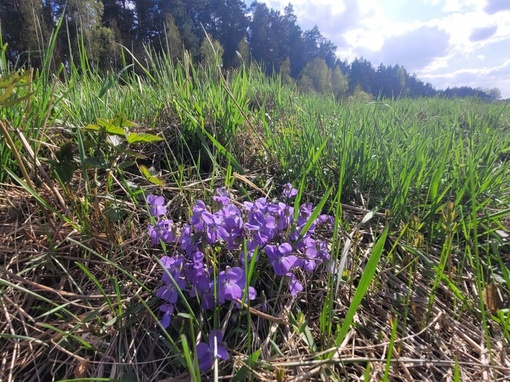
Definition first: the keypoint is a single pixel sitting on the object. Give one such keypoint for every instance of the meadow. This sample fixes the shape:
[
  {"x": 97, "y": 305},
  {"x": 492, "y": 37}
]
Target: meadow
[{"x": 413, "y": 282}]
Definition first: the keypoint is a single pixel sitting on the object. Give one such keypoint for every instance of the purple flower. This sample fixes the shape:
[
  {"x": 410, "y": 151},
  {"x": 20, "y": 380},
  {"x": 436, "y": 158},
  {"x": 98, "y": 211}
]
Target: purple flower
[
  {"x": 207, "y": 353},
  {"x": 153, "y": 234},
  {"x": 203, "y": 288},
  {"x": 195, "y": 268},
  {"x": 310, "y": 260},
  {"x": 156, "y": 206},
  {"x": 196, "y": 219},
  {"x": 188, "y": 240},
  {"x": 328, "y": 221},
  {"x": 166, "y": 231},
  {"x": 169, "y": 292},
  {"x": 289, "y": 191},
  {"x": 162, "y": 230},
  {"x": 207, "y": 298},
  {"x": 305, "y": 211},
  {"x": 231, "y": 283},
  {"x": 309, "y": 263},
  {"x": 232, "y": 232},
  {"x": 213, "y": 227},
  {"x": 255, "y": 227},
  {"x": 222, "y": 197},
  {"x": 259, "y": 205},
  {"x": 168, "y": 310},
  {"x": 263, "y": 227},
  {"x": 294, "y": 285},
  {"x": 251, "y": 247},
  {"x": 280, "y": 258},
  {"x": 285, "y": 216},
  {"x": 323, "y": 252}
]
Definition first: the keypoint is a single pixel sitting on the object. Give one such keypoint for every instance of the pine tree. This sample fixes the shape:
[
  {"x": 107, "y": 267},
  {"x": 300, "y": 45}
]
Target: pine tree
[{"x": 26, "y": 29}]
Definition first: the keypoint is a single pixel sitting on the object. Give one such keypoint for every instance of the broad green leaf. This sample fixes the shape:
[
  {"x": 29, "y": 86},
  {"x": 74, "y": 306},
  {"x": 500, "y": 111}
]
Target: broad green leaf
[
  {"x": 116, "y": 213},
  {"x": 121, "y": 122},
  {"x": 109, "y": 128},
  {"x": 7, "y": 93},
  {"x": 65, "y": 170},
  {"x": 16, "y": 100},
  {"x": 115, "y": 130},
  {"x": 96, "y": 163},
  {"x": 142, "y": 138},
  {"x": 92, "y": 127},
  {"x": 151, "y": 178}
]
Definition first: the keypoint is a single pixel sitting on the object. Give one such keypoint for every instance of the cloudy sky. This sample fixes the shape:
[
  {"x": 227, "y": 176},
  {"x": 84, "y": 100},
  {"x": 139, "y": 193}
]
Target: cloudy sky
[{"x": 445, "y": 42}]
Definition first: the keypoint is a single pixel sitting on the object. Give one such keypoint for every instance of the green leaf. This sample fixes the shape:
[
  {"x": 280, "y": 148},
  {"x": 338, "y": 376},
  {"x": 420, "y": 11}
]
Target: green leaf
[
  {"x": 92, "y": 127},
  {"x": 121, "y": 122},
  {"x": 65, "y": 152},
  {"x": 126, "y": 164},
  {"x": 96, "y": 163},
  {"x": 187, "y": 356},
  {"x": 242, "y": 374},
  {"x": 116, "y": 213},
  {"x": 103, "y": 125},
  {"x": 142, "y": 138},
  {"x": 7, "y": 93},
  {"x": 115, "y": 130},
  {"x": 15, "y": 100},
  {"x": 65, "y": 170},
  {"x": 151, "y": 178}
]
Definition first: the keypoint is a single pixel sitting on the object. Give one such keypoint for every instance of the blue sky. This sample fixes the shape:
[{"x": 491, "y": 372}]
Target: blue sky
[{"x": 445, "y": 42}]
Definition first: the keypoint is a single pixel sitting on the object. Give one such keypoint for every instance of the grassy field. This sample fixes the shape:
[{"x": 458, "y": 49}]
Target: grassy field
[{"x": 416, "y": 286}]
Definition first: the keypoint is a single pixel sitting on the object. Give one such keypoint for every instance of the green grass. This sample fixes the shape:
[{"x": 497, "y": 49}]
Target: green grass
[{"x": 420, "y": 190}]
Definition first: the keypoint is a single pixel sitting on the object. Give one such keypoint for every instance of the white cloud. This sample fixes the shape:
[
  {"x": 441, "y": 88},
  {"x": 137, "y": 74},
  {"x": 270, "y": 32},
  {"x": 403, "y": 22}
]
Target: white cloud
[
  {"x": 494, "y": 6},
  {"x": 452, "y": 6},
  {"x": 479, "y": 34},
  {"x": 485, "y": 77},
  {"x": 442, "y": 41}
]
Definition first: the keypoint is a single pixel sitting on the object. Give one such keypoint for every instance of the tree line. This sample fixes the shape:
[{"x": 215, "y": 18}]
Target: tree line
[{"x": 241, "y": 34}]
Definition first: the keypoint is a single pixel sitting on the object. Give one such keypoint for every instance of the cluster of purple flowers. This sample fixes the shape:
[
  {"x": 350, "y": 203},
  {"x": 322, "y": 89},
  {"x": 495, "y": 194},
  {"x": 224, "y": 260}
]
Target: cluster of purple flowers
[{"x": 265, "y": 227}]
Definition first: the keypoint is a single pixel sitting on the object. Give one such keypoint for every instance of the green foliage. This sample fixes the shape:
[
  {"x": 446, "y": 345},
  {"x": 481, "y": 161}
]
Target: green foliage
[
  {"x": 108, "y": 149},
  {"x": 174, "y": 44},
  {"x": 10, "y": 85},
  {"x": 211, "y": 53},
  {"x": 285, "y": 71},
  {"x": 317, "y": 74},
  {"x": 65, "y": 165},
  {"x": 243, "y": 53},
  {"x": 359, "y": 96},
  {"x": 339, "y": 83}
]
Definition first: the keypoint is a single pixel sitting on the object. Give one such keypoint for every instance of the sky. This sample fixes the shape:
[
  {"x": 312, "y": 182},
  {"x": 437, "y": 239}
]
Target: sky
[{"x": 445, "y": 42}]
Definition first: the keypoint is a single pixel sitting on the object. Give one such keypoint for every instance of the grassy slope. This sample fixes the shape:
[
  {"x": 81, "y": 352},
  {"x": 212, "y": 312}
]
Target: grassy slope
[{"x": 77, "y": 278}]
